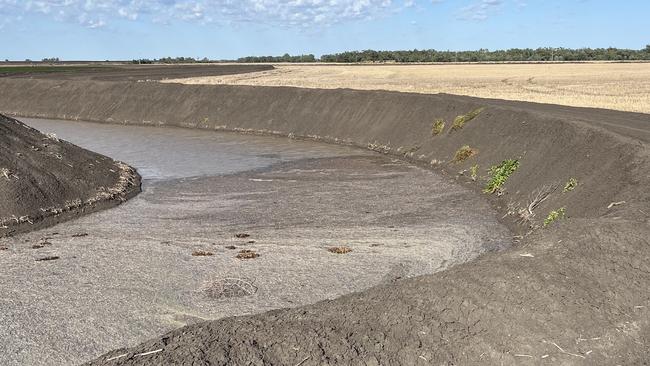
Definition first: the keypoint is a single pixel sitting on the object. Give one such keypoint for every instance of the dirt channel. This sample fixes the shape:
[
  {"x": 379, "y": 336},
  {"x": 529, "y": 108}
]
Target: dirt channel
[
  {"x": 573, "y": 291},
  {"x": 180, "y": 252}
]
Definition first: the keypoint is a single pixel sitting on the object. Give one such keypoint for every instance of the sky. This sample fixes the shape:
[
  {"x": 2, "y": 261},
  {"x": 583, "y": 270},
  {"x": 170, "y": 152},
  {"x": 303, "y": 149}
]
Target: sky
[{"x": 227, "y": 29}]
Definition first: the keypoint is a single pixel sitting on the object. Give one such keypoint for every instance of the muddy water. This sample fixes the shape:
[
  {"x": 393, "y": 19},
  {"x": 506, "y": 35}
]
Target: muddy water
[
  {"x": 168, "y": 153},
  {"x": 128, "y": 274}
]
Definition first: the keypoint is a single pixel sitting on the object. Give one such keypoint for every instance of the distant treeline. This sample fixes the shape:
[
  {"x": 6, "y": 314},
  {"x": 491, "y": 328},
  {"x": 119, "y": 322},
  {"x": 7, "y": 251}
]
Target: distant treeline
[
  {"x": 252, "y": 59},
  {"x": 483, "y": 55},
  {"x": 171, "y": 60},
  {"x": 284, "y": 58}
]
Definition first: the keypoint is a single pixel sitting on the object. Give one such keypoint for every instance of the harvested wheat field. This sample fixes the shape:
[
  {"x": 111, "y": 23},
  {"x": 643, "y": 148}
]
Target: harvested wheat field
[{"x": 619, "y": 86}]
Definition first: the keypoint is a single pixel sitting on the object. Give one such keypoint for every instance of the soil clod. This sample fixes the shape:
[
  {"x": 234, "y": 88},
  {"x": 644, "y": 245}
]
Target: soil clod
[
  {"x": 247, "y": 254},
  {"x": 202, "y": 253},
  {"x": 48, "y": 258},
  {"x": 339, "y": 250}
]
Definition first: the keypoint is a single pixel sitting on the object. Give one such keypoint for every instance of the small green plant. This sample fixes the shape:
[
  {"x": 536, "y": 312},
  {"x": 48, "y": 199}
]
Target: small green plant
[
  {"x": 473, "y": 171},
  {"x": 438, "y": 127},
  {"x": 459, "y": 122},
  {"x": 554, "y": 215},
  {"x": 464, "y": 153},
  {"x": 570, "y": 185},
  {"x": 499, "y": 174}
]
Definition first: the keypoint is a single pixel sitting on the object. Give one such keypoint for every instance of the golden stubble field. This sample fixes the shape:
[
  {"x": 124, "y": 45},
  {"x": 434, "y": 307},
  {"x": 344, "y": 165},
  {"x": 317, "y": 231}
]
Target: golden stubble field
[{"x": 620, "y": 86}]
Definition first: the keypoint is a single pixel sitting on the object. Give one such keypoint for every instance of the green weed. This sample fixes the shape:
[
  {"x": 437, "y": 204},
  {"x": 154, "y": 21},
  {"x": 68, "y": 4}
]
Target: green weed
[
  {"x": 570, "y": 185},
  {"x": 473, "y": 171},
  {"x": 438, "y": 127},
  {"x": 459, "y": 122},
  {"x": 499, "y": 174},
  {"x": 554, "y": 215}
]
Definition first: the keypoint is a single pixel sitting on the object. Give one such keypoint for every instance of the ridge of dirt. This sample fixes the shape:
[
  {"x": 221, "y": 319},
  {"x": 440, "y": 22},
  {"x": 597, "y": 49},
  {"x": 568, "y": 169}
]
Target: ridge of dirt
[
  {"x": 44, "y": 180},
  {"x": 134, "y": 73},
  {"x": 574, "y": 292}
]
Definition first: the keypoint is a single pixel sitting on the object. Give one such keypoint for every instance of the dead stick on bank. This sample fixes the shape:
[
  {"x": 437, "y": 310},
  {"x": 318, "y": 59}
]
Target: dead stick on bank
[
  {"x": 303, "y": 361},
  {"x": 615, "y": 204},
  {"x": 565, "y": 352},
  {"x": 116, "y": 357}
]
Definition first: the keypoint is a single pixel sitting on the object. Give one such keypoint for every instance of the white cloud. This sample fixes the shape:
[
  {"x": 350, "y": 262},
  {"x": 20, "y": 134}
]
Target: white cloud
[
  {"x": 296, "y": 13},
  {"x": 479, "y": 10}
]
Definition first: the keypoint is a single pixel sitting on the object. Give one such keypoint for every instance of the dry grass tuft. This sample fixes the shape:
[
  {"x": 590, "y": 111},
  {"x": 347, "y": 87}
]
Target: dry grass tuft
[
  {"x": 464, "y": 153},
  {"x": 339, "y": 250},
  {"x": 52, "y": 136},
  {"x": 526, "y": 215},
  {"x": 7, "y": 174}
]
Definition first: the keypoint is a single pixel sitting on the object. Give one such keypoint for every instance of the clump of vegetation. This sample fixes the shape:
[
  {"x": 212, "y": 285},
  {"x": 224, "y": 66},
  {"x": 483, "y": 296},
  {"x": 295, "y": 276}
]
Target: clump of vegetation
[
  {"x": 499, "y": 174},
  {"x": 52, "y": 136},
  {"x": 464, "y": 153},
  {"x": 410, "y": 151},
  {"x": 459, "y": 122},
  {"x": 202, "y": 253},
  {"x": 375, "y": 146},
  {"x": 339, "y": 250},
  {"x": 247, "y": 254},
  {"x": 4, "y": 172},
  {"x": 438, "y": 127},
  {"x": 570, "y": 185},
  {"x": 554, "y": 215},
  {"x": 473, "y": 171}
]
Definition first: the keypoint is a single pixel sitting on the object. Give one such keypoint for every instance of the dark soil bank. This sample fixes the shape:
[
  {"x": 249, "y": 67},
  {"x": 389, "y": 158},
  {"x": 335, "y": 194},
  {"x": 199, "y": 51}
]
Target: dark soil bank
[
  {"x": 44, "y": 181},
  {"x": 573, "y": 292},
  {"x": 134, "y": 72}
]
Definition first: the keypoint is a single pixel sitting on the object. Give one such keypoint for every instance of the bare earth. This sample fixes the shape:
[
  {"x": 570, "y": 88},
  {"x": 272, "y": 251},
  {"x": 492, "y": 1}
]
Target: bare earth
[
  {"x": 573, "y": 293},
  {"x": 126, "y": 275},
  {"x": 619, "y": 86}
]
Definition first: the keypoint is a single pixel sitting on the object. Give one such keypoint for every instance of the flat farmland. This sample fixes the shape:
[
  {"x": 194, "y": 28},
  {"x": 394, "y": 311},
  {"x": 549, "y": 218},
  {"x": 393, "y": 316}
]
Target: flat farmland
[{"x": 618, "y": 86}]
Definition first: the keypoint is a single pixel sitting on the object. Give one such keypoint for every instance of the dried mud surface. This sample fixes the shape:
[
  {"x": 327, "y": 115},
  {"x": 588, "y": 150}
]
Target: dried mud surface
[{"x": 181, "y": 252}]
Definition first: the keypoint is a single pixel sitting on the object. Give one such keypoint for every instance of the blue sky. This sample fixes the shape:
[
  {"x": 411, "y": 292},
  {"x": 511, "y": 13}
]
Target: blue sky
[{"x": 222, "y": 29}]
